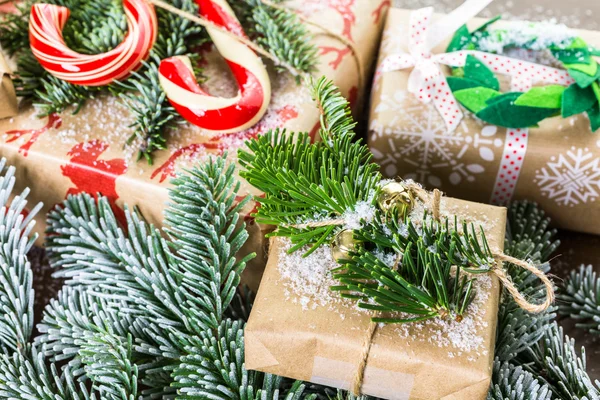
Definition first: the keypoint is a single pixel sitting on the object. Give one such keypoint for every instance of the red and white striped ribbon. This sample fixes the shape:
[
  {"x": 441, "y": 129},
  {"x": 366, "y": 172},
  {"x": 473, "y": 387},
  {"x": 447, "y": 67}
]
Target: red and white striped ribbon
[
  {"x": 226, "y": 115},
  {"x": 49, "y": 48}
]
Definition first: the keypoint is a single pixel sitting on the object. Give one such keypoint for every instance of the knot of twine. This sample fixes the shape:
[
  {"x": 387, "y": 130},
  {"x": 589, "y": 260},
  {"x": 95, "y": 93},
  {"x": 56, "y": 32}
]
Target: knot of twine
[
  {"x": 200, "y": 20},
  {"x": 433, "y": 201}
]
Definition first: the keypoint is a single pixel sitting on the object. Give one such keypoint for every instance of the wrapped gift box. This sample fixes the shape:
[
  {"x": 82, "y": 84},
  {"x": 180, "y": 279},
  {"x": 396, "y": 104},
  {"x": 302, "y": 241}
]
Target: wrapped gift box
[
  {"x": 84, "y": 152},
  {"x": 561, "y": 165},
  {"x": 300, "y": 329}
]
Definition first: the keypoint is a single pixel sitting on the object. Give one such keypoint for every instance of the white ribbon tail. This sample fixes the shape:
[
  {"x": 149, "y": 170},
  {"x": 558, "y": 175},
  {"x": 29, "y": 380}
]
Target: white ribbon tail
[{"x": 447, "y": 25}]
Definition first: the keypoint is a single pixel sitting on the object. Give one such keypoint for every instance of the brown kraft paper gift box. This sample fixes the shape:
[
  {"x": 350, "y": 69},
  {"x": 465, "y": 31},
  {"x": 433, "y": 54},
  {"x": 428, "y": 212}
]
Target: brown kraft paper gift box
[
  {"x": 302, "y": 330},
  {"x": 84, "y": 152},
  {"x": 561, "y": 169}
]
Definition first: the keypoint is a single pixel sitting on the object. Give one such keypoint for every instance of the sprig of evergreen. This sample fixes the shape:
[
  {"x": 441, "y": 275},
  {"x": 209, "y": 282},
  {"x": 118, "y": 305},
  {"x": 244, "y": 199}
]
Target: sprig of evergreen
[
  {"x": 579, "y": 298},
  {"x": 304, "y": 181},
  {"x": 307, "y": 185},
  {"x": 514, "y": 383},
  {"x": 555, "y": 359},
  {"x": 427, "y": 279},
  {"x": 279, "y": 31}
]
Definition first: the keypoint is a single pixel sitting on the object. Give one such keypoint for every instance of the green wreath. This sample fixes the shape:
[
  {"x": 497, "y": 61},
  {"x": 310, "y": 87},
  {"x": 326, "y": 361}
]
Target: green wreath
[{"x": 477, "y": 88}]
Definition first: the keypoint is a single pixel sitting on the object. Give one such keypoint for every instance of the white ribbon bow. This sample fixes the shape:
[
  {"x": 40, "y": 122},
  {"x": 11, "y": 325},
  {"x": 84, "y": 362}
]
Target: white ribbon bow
[{"x": 428, "y": 83}]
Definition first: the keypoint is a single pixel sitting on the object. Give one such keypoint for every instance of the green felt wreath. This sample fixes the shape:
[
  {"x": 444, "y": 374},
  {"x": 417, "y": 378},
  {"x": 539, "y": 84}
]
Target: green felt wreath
[{"x": 477, "y": 88}]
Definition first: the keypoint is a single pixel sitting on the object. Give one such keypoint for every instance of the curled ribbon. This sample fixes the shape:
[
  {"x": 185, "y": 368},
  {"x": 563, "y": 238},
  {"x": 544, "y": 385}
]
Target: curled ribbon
[{"x": 427, "y": 81}]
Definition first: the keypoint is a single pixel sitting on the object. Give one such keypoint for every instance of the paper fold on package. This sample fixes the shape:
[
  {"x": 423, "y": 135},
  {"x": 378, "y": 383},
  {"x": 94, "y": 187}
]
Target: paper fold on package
[
  {"x": 9, "y": 105},
  {"x": 324, "y": 344}
]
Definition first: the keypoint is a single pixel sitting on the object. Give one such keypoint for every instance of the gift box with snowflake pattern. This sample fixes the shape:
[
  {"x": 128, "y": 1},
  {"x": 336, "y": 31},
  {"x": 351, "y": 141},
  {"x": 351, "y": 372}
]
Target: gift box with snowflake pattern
[{"x": 555, "y": 163}]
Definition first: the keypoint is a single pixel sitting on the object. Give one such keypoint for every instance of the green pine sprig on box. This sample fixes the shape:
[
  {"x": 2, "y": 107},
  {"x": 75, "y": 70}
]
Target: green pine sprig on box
[
  {"x": 307, "y": 184},
  {"x": 96, "y": 27}
]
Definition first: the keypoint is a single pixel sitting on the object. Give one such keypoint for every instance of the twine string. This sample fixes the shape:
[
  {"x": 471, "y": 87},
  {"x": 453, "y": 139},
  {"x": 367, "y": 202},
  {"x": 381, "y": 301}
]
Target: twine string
[
  {"x": 200, "y": 20},
  {"x": 364, "y": 357},
  {"x": 514, "y": 291},
  {"x": 328, "y": 32}
]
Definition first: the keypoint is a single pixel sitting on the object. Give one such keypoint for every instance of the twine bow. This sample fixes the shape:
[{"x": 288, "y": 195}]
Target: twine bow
[{"x": 427, "y": 81}]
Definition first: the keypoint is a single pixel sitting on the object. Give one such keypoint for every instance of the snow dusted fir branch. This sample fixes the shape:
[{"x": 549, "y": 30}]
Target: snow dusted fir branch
[
  {"x": 142, "y": 315},
  {"x": 16, "y": 295},
  {"x": 534, "y": 360},
  {"x": 404, "y": 270},
  {"x": 580, "y": 298}
]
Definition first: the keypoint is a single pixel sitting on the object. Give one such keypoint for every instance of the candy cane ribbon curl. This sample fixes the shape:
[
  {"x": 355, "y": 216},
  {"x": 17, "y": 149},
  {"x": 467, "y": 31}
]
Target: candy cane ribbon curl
[
  {"x": 227, "y": 115},
  {"x": 49, "y": 48}
]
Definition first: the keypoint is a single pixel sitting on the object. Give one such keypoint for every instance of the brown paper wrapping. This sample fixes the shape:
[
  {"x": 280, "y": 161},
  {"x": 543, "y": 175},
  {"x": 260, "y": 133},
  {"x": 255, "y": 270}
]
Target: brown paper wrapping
[
  {"x": 317, "y": 345},
  {"x": 8, "y": 98},
  {"x": 561, "y": 169},
  {"x": 84, "y": 152}
]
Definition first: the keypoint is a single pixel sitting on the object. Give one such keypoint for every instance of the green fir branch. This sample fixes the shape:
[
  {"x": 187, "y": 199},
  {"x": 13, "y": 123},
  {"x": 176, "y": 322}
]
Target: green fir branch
[
  {"x": 283, "y": 35},
  {"x": 514, "y": 383},
  {"x": 108, "y": 365},
  {"x": 163, "y": 311},
  {"x": 207, "y": 239},
  {"x": 305, "y": 181},
  {"x": 14, "y": 29},
  {"x": 556, "y": 360},
  {"x": 579, "y": 298},
  {"x": 16, "y": 293},
  {"x": 425, "y": 275}
]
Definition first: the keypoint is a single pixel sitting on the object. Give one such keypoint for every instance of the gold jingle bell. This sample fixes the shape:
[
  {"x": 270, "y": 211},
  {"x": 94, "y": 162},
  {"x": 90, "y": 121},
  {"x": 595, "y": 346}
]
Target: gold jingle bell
[
  {"x": 343, "y": 243},
  {"x": 395, "y": 195}
]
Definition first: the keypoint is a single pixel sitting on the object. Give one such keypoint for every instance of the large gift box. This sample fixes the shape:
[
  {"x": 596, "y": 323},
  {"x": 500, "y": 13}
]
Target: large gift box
[
  {"x": 86, "y": 151},
  {"x": 556, "y": 164},
  {"x": 301, "y": 329}
]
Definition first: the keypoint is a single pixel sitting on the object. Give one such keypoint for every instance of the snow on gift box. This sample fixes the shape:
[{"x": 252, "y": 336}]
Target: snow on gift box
[
  {"x": 372, "y": 285},
  {"x": 515, "y": 141},
  {"x": 82, "y": 145}
]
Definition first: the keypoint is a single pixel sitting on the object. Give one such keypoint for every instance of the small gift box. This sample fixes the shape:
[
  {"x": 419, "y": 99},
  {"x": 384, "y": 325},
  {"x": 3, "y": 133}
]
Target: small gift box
[
  {"x": 508, "y": 114},
  {"x": 372, "y": 285},
  {"x": 301, "y": 329}
]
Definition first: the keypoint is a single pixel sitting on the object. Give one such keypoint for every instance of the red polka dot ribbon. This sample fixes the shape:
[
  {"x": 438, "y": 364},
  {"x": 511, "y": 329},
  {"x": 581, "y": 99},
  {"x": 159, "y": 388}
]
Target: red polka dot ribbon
[{"x": 428, "y": 83}]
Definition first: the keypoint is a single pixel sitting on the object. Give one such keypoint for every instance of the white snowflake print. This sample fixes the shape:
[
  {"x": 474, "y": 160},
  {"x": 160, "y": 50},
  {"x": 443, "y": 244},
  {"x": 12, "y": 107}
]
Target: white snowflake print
[
  {"x": 416, "y": 135},
  {"x": 393, "y": 38},
  {"x": 571, "y": 178},
  {"x": 391, "y": 43}
]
